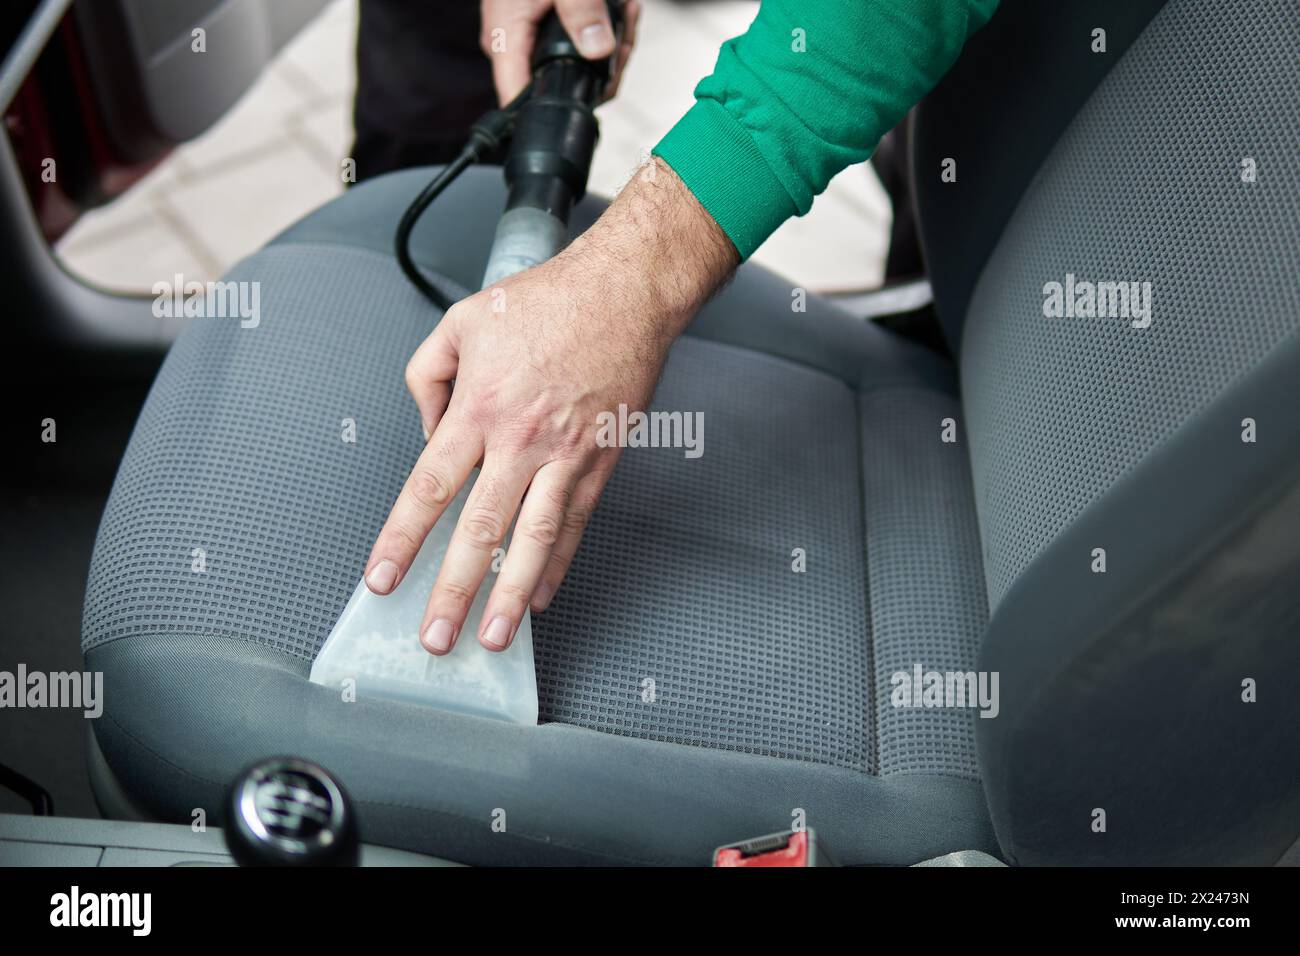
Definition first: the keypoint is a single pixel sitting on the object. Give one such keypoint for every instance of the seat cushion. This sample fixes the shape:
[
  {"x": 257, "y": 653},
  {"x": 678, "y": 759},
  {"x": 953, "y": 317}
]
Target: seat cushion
[
  {"x": 241, "y": 519},
  {"x": 685, "y": 583}
]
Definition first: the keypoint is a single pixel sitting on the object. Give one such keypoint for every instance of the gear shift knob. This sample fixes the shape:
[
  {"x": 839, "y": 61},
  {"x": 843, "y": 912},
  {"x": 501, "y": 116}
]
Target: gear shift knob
[{"x": 284, "y": 811}]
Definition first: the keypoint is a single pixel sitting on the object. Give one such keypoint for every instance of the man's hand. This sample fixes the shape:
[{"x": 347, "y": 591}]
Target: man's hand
[
  {"x": 510, "y": 28},
  {"x": 535, "y": 360}
]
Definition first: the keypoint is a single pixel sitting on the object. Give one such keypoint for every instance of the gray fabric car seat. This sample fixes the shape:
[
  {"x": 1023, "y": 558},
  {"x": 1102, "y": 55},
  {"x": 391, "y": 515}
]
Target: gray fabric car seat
[{"x": 772, "y": 686}]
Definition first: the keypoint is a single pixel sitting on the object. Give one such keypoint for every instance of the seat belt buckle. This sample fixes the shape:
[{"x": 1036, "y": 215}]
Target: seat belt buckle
[{"x": 787, "y": 848}]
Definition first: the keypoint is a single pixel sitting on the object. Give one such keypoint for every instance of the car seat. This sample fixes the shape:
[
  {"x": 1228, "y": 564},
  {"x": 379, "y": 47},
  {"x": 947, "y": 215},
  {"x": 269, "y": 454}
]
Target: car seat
[{"x": 695, "y": 687}]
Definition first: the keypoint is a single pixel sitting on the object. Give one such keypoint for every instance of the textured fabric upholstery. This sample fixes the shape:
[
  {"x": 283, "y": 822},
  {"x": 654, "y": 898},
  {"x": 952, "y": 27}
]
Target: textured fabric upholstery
[
  {"x": 1123, "y": 691},
  {"x": 685, "y": 577},
  {"x": 240, "y": 455},
  {"x": 922, "y": 545},
  {"x": 1059, "y": 408}
]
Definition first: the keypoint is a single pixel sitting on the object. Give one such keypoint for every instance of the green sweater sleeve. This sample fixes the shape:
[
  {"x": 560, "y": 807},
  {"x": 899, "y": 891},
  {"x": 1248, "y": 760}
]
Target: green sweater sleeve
[{"x": 808, "y": 90}]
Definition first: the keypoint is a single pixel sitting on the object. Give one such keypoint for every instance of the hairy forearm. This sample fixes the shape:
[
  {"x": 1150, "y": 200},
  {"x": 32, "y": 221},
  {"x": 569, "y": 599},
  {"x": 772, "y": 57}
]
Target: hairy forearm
[{"x": 656, "y": 252}]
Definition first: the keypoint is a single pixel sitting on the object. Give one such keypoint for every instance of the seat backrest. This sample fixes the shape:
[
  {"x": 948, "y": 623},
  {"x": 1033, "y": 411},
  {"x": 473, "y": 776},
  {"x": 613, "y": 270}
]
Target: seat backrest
[
  {"x": 996, "y": 114},
  {"x": 1130, "y": 359}
]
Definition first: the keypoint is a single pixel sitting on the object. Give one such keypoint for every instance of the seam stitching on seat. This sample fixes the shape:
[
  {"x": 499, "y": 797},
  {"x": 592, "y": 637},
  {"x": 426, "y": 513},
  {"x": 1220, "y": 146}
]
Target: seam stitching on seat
[{"x": 872, "y": 722}]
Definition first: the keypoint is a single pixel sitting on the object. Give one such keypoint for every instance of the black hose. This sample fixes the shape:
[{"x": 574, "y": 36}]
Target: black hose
[
  {"x": 413, "y": 212},
  {"x": 487, "y": 133}
]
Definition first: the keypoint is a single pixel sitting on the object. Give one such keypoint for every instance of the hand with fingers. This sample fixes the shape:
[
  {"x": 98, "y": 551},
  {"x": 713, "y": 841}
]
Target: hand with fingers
[
  {"x": 509, "y": 28},
  {"x": 536, "y": 360}
]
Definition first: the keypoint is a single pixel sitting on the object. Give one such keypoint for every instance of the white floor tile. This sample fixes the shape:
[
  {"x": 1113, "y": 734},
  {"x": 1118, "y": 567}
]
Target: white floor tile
[
  {"x": 131, "y": 209},
  {"x": 133, "y": 258},
  {"x": 256, "y": 120},
  {"x": 238, "y": 211},
  {"x": 834, "y": 248},
  {"x": 329, "y": 126},
  {"x": 671, "y": 56},
  {"x": 325, "y": 51}
]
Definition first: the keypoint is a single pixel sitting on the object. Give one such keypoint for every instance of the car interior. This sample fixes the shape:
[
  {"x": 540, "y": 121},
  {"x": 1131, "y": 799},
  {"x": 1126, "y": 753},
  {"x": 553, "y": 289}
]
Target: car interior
[{"x": 1103, "y": 514}]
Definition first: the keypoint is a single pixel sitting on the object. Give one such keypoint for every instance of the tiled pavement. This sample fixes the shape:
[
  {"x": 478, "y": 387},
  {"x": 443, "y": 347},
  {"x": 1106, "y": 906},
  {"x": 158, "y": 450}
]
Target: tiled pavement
[{"x": 277, "y": 154}]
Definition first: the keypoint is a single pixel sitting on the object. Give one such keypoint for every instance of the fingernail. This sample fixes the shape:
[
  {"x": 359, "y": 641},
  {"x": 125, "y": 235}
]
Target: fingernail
[
  {"x": 424, "y": 430},
  {"x": 541, "y": 599},
  {"x": 595, "y": 40},
  {"x": 382, "y": 577},
  {"x": 437, "y": 639},
  {"x": 497, "y": 635}
]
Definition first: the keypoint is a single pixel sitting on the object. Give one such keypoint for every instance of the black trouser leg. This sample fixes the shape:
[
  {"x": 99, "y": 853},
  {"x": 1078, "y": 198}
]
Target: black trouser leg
[{"x": 421, "y": 81}]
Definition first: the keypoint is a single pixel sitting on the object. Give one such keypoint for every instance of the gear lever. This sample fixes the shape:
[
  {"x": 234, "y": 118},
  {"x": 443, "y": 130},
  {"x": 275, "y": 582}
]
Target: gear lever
[{"x": 284, "y": 811}]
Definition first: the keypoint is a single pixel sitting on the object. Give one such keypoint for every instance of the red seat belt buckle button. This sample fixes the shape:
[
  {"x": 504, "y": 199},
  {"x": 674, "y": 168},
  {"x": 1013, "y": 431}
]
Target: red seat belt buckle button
[{"x": 790, "y": 848}]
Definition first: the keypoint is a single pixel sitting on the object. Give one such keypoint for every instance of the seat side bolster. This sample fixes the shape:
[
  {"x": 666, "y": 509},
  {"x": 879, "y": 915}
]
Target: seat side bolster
[
  {"x": 201, "y": 708},
  {"x": 1122, "y": 691}
]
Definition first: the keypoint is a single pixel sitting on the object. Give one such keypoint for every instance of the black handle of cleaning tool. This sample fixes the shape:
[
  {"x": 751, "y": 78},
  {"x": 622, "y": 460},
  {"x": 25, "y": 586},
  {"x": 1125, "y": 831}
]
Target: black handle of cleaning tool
[{"x": 555, "y": 130}]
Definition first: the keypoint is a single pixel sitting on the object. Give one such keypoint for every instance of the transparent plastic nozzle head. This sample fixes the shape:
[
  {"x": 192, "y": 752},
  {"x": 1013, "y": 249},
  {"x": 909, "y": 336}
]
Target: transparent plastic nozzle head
[{"x": 376, "y": 644}]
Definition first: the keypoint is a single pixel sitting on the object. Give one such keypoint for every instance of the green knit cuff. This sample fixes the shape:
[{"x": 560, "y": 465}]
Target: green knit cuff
[{"x": 714, "y": 155}]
